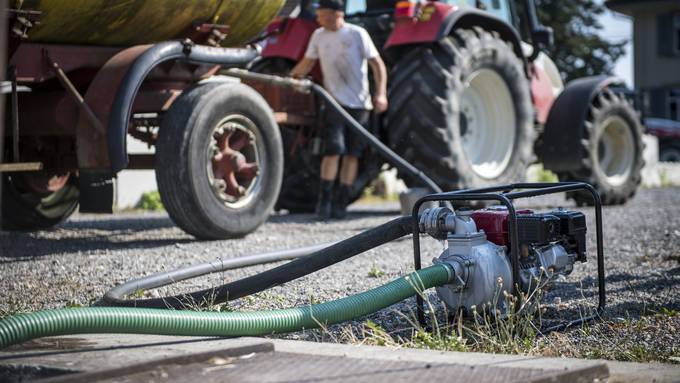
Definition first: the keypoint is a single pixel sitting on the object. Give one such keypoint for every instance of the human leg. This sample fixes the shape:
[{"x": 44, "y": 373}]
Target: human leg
[{"x": 350, "y": 164}]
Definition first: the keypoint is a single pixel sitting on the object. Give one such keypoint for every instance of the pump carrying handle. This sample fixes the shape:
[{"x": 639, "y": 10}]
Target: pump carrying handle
[{"x": 505, "y": 195}]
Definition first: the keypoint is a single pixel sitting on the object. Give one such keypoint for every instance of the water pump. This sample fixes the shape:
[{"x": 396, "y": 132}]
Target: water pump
[
  {"x": 478, "y": 250},
  {"x": 501, "y": 250}
]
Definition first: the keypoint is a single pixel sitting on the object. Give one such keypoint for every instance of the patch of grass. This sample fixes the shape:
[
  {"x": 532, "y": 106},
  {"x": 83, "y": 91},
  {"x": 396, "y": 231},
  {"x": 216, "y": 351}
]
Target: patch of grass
[
  {"x": 72, "y": 303},
  {"x": 150, "y": 201},
  {"x": 518, "y": 332},
  {"x": 375, "y": 272},
  {"x": 666, "y": 312},
  {"x": 663, "y": 179},
  {"x": 15, "y": 307},
  {"x": 544, "y": 175},
  {"x": 486, "y": 330}
]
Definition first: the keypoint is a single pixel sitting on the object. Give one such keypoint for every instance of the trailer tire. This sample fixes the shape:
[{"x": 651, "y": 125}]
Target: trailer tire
[
  {"x": 612, "y": 150},
  {"x": 450, "y": 104},
  {"x": 209, "y": 128},
  {"x": 24, "y": 210}
]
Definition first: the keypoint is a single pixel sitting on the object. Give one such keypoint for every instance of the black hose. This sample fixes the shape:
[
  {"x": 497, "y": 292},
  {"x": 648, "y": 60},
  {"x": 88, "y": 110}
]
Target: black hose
[
  {"x": 116, "y": 296},
  {"x": 121, "y": 109},
  {"x": 295, "y": 269},
  {"x": 306, "y": 85},
  {"x": 391, "y": 157}
]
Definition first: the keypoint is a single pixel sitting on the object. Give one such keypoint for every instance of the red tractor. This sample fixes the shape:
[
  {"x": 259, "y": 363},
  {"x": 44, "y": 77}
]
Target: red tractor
[{"x": 473, "y": 101}]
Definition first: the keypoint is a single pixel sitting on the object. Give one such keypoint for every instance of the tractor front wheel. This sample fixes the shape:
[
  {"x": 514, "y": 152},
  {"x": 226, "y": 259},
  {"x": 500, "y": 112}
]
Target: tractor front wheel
[{"x": 612, "y": 151}]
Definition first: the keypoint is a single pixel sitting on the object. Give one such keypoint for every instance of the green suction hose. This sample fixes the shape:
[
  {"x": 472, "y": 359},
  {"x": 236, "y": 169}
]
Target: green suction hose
[{"x": 23, "y": 327}]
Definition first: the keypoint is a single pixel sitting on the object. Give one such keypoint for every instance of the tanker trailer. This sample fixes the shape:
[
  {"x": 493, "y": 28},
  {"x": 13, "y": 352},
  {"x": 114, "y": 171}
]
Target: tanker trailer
[{"x": 84, "y": 75}]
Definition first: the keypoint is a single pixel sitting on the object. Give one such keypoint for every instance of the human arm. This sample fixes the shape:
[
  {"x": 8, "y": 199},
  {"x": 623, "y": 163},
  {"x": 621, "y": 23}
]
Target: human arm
[
  {"x": 380, "y": 77},
  {"x": 303, "y": 67}
]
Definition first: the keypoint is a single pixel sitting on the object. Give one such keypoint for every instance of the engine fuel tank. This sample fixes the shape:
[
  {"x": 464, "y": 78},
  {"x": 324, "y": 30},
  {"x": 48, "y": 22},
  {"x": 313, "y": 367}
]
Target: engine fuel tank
[{"x": 134, "y": 22}]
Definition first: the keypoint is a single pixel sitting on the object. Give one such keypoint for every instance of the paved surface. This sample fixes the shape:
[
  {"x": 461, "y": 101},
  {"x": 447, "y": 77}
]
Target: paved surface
[{"x": 91, "y": 353}]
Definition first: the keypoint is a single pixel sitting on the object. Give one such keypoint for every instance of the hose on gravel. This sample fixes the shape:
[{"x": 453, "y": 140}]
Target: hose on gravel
[
  {"x": 22, "y": 327},
  {"x": 317, "y": 260}
]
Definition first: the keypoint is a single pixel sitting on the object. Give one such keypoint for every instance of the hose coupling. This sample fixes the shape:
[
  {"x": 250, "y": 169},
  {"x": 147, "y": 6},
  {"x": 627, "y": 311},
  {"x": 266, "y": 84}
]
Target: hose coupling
[
  {"x": 458, "y": 267},
  {"x": 438, "y": 222}
]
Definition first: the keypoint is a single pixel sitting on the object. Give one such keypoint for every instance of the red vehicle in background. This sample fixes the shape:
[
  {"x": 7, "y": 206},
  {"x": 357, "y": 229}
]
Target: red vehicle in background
[{"x": 473, "y": 101}]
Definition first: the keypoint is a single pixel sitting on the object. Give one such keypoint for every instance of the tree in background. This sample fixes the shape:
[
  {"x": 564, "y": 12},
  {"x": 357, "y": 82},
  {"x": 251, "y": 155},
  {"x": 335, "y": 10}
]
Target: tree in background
[{"x": 578, "y": 50}]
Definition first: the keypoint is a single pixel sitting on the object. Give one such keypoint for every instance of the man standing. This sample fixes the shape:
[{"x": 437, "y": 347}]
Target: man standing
[{"x": 343, "y": 51}]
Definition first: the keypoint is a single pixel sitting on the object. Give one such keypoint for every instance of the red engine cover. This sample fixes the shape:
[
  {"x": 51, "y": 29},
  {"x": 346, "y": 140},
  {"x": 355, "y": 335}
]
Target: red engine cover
[{"x": 494, "y": 222}]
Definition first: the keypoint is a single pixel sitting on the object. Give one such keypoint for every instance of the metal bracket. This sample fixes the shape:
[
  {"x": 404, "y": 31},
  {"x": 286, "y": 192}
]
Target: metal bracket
[{"x": 73, "y": 92}]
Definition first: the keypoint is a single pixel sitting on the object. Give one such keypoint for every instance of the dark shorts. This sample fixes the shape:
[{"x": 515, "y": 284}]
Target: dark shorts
[{"x": 339, "y": 138}]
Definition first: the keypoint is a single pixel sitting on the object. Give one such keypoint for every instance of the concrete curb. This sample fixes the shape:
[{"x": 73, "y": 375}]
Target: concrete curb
[{"x": 98, "y": 352}]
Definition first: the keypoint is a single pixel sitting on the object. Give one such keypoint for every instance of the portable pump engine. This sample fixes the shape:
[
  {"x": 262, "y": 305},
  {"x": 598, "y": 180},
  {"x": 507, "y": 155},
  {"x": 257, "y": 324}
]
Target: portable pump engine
[{"x": 478, "y": 250}]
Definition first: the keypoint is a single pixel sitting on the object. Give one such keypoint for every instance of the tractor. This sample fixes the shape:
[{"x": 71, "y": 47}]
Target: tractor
[{"x": 474, "y": 101}]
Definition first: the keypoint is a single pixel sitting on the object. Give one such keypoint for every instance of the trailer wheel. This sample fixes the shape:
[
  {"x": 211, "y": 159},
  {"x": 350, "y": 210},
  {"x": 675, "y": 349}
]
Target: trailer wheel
[
  {"x": 300, "y": 187},
  {"x": 219, "y": 160},
  {"x": 461, "y": 111},
  {"x": 36, "y": 201},
  {"x": 612, "y": 151}
]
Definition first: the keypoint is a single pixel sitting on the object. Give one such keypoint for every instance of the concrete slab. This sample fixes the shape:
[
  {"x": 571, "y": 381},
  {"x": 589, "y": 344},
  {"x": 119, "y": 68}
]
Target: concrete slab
[{"x": 90, "y": 353}]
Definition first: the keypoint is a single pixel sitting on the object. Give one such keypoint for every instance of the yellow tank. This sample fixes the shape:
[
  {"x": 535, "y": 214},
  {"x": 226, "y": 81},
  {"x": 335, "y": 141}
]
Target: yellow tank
[{"x": 133, "y": 22}]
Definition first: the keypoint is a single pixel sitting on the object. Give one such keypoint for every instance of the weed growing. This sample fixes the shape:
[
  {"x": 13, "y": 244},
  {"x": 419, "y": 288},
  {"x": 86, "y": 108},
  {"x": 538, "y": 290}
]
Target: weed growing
[
  {"x": 375, "y": 272},
  {"x": 150, "y": 201}
]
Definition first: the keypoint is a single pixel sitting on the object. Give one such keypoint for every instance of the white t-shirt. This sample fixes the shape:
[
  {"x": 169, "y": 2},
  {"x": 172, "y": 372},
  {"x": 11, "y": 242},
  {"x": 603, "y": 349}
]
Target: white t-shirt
[{"x": 343, "y": 54}]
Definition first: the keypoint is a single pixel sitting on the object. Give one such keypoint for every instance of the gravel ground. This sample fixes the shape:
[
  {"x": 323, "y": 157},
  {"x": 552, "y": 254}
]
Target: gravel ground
[{"x": 77, "y": 262}]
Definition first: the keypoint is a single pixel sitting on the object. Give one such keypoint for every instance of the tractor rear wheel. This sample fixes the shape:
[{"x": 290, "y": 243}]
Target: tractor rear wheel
[
  {"x": 219, "y": 160},
  {"x": 461, "y": 111},
  {"x": 612, "y": 151}
]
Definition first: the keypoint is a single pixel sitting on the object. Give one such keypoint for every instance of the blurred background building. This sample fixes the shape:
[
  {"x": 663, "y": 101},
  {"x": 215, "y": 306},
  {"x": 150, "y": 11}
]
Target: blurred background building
[{"x": 656, "y": 57}]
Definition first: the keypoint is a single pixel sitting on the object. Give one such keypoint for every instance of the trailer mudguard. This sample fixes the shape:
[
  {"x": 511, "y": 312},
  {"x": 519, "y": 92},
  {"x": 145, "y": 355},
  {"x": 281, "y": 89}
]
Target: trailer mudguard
[
  {"x": 121, "y": 109},
  {"x": 561, "y": 149},
  {"x": 437, "y": 20}
]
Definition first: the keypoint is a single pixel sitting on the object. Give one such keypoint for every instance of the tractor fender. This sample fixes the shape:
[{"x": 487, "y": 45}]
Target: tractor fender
[
  {"x": 561, "y": 149},
  {"x": 444, "y": 19},
  {"x": 469, "y": 18}
]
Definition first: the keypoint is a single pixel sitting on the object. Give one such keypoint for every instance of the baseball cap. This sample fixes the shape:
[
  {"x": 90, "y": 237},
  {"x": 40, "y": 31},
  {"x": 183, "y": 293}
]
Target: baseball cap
[{"x": 336, "y": 5}]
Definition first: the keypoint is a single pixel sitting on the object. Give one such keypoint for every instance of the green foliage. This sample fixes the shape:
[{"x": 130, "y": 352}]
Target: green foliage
[
  {"x": 14, "y": 307},
  {"x": 666, "y": 312},
  {"x": 375, "y": 272},
  {"x": 547, "y": 176},
  {"x": 73, "y": 304},
  {"x": 578, "y": 50},
  {"x": 150, "y": 201}
]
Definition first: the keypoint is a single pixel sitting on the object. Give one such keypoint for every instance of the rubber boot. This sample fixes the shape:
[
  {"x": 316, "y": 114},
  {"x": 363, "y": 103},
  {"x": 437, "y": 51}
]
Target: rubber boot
[
  {"x": 340, "y": 202},
  {"x": 324, "y": 205}
]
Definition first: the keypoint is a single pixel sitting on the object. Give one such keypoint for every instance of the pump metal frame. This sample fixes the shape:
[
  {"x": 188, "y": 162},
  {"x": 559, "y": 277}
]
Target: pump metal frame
[{"x": 505, "y": 195}]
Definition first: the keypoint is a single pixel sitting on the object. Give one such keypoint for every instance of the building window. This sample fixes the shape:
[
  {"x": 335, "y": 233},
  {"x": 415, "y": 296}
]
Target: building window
[
  {"x": 676, "y": 30},
  {"x": 668, "y": 34},
  {"x": 674, "y": 104}
]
